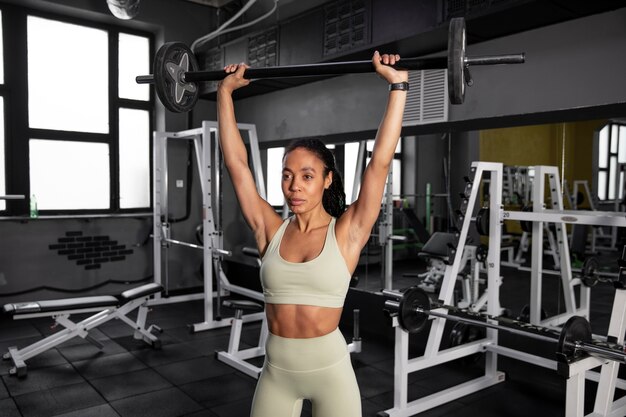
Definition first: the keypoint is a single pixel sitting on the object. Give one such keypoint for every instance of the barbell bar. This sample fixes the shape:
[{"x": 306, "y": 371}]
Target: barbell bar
[
  {"x": 414, "y": 307},
  {"x": 216, "y": 251},
  {"x": 176, "y": 75}
]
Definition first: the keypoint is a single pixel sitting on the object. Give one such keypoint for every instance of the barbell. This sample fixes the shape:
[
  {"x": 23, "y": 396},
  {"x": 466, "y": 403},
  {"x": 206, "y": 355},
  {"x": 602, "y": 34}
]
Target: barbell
[
  {"x": 414, "y": 307},
  {"x": 176, "y": 75}
]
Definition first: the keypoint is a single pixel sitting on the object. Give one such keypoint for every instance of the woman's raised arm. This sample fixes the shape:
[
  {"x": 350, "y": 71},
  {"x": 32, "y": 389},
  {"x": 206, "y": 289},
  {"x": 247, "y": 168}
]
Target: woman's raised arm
[
  {"x": 258, "y": 213},
  {"x": 362, "y": 214}
]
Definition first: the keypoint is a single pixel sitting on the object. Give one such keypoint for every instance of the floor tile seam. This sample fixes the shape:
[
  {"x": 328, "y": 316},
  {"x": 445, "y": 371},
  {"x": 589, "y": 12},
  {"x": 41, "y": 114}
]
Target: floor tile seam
[
  {"x": 90, "y": 384},
  {"x": 51, "y": 387},
  {"x": 239, "y": 375},
  {"x": 168, "y": 363},
  {"x": 135, "y": 395},
  {"x": 86, "y": 408},
  {"x": 212, "y": 408},
  {"x": 181, "y": 384},
  {"x": 6, "y": 388},
  {"x": 112, "y": 402},
  {"x": 107, "y": 356},
  {"x": 129, "y": 372},
  {"x": 17, "y": 406}
]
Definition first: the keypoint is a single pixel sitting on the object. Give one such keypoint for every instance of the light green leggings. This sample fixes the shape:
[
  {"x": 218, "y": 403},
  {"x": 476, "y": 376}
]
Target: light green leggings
[{"x": 317, "y": 369}]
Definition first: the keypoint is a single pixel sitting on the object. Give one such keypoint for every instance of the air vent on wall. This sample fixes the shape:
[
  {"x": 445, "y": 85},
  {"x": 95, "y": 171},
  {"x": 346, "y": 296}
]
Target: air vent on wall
[
  {"x": 263, "y": 49},
  {"x": 427, "y": 100},
  {"x": 346, "y": 25}
]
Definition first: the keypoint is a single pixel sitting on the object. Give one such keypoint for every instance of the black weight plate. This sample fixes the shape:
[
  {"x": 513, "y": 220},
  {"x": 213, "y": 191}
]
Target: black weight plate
[
  {"x": 408, "y": 318},
  {"x": 589, "y": 272},
  {"x": 463, "y": 333},
  {"x": 456, "y": 60},
  {"x": 482, "y": 252},
  {"x": 482, "y": 222},
  {"x": 526, "y": 225},
  {"x": 458, "y": 334},
  {"x": 576, "y": 329},
  {"x": 172, "y": 60}
]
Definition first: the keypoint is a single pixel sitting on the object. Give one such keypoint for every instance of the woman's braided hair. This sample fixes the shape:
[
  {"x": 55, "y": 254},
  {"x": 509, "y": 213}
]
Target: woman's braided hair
[{"x": 334, "y": 198}]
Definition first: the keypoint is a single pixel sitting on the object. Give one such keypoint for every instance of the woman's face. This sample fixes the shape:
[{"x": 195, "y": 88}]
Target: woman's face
[{"x": 303, "y": 180}]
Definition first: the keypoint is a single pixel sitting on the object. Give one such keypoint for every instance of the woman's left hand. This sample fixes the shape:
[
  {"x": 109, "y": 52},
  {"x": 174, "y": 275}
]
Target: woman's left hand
[{"x": 382, "y": 64}]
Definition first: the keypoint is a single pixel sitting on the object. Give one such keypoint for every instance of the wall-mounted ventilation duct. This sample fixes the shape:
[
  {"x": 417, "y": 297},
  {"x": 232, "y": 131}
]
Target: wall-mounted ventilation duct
[
  {"x": 124, "y": 9},
  {"x": 263, "y": 49},
  {"x": 427, "y": 100},
  {"x": 346, "y": 25}
]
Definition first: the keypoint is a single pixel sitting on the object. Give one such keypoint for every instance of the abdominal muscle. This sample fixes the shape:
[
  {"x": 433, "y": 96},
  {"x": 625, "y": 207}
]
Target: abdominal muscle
[{"x": 297, "y": 321}]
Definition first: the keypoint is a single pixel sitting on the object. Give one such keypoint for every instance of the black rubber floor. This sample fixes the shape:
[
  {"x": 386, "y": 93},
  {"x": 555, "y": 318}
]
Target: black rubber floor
[{"x": 129, "y": 379}]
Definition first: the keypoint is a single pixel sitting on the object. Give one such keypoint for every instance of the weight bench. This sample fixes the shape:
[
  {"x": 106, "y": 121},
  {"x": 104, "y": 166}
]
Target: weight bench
[
  {"x": 439, "y": 250},
  {"x": 107, "y": 307}
]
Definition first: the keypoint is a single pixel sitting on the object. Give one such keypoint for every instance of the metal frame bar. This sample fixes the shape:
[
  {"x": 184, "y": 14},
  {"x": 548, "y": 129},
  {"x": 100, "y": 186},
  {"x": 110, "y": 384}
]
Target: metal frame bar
[
  {"x": 360, "y": 162},
  {"x": 594, "y": 218},
  {"x": 560, "y": 217},
  {"x": 237, "y": 358}
]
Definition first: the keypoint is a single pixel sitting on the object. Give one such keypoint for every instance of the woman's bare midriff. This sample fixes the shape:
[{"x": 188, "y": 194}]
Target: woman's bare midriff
[{"x": 296, "y": 321}]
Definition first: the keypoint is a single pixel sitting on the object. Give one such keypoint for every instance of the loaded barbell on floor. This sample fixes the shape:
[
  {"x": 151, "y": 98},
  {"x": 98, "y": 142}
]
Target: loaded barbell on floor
[
  {"x": 414, "y": 307},
  {"x": 176, "y": 75}
]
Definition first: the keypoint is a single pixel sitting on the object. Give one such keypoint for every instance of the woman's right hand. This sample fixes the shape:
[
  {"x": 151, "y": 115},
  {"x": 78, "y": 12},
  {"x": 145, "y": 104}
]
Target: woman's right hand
[{"x": 235, "y": 78}]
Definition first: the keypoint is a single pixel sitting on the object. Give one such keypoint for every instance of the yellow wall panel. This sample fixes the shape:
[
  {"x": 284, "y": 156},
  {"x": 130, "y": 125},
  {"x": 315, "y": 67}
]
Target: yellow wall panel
[{"x": 544, "y": 145}]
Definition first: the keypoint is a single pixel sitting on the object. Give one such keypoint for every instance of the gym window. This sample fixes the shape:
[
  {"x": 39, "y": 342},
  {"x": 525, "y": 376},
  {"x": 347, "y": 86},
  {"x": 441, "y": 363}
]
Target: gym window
[
  {"x": 351, "y": 151},
  {"x": 57, "y": 162},
  {"x": 611, "y": 162},
  {"x": 396, "y": 166},
  {"x": 62, "y": 94},
  {"x": 274, "y": 176},
  {"x": 82, "y": 141},
  {"x": 350, "y": 156}
]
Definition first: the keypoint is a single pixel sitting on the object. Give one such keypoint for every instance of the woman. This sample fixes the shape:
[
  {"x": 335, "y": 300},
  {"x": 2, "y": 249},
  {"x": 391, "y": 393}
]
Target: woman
[{"x": 308, "y": 259}]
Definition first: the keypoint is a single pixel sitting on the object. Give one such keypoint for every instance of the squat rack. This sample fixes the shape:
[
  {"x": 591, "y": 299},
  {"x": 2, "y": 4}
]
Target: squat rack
[
  {"x": 576, "y": 372},
  {"x": 206, "y": 146}
]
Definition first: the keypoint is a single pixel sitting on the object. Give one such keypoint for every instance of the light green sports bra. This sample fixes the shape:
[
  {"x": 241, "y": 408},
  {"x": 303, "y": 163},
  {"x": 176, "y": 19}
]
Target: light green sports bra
[{"x": 322, "y": 281}]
